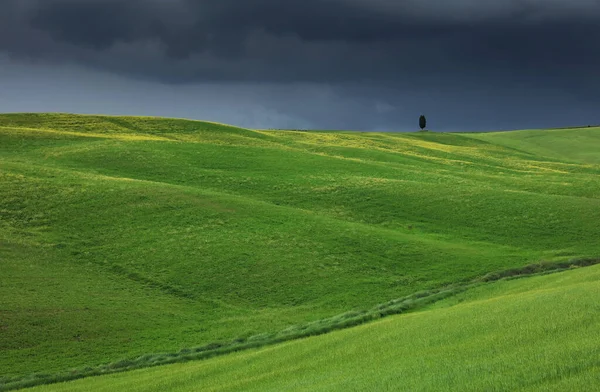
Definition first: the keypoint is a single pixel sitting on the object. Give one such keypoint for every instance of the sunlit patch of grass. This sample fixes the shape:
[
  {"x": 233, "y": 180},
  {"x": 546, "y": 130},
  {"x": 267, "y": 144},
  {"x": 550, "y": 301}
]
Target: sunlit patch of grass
[
  {"x": 569, "y": 145},
  {"x": 118, "y": 136}
]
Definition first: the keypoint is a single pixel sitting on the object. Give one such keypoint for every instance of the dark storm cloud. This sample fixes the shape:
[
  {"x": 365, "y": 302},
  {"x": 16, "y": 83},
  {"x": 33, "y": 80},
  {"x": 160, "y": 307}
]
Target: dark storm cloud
[
  {"x": 309, "y": 40},
  {"x": 97, "y": 25},
  {"x": 365, "y": 64}
]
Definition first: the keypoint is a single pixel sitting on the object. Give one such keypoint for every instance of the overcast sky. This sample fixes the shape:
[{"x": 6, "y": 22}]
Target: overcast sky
[{"x": 341, "y": 64}]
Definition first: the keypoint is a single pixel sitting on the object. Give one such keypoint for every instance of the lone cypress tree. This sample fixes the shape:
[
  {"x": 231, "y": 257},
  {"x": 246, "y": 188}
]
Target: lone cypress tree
[{"x": 422, "y": 122}]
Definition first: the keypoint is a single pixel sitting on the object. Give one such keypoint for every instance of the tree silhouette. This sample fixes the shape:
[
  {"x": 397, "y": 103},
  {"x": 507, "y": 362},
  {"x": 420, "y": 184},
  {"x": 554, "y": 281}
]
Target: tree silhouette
[{"x": 422, "y": 122}]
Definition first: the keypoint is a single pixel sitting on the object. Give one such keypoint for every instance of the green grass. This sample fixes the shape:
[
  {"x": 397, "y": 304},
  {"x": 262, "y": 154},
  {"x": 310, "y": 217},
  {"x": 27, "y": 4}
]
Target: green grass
[
  {"x": 575, "y": 144},
  {"x": 126, "y": 236},
  {"x": 534, "y": 334}
]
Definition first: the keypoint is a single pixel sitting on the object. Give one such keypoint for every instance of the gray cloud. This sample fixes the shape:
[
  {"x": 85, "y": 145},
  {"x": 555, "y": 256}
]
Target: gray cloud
[
  {"x": 379, "y": 59},
  {"x": 309, "y": 40}
]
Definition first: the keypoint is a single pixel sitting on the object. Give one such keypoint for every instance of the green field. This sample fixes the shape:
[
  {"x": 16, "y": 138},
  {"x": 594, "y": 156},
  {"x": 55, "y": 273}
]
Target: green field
[
  {"x": 569, "y": 145},
  {"x": 127, "y": 236},
  {"x": 534, "y": 334}
]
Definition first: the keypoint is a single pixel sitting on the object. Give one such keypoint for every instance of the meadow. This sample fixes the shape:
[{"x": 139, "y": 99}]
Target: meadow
[
  {"x": 533, "y": 334},
  {"x": 126, "y": 236}
]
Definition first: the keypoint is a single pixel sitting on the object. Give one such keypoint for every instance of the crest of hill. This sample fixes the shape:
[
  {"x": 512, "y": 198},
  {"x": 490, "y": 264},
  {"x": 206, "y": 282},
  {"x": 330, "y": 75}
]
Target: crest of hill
[{"x": 124, "y": 127}]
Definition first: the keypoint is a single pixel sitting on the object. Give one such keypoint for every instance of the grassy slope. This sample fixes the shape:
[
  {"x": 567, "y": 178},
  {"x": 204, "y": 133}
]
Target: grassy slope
[
  {"x": 124, "y": 236},
  {"x": 578, "y": 145},
  {"x": 534, "y": 334}
]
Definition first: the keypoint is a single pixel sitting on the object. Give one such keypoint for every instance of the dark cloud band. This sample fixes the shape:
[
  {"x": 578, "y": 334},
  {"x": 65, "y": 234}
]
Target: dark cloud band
[{"x": 309, "y": 40}]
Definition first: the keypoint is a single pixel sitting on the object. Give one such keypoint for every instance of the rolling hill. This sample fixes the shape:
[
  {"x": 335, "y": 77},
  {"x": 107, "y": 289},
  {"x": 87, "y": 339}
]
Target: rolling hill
[
  {"x": 534, "y": 334},
  {"x": 126, "y": 236}
]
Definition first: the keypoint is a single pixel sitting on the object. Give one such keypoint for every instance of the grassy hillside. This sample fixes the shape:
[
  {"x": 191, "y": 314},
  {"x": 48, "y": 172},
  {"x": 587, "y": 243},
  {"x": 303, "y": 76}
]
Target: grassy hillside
[
  {"x": 124, "y": 236},
  {"x": 575, "y": 145},
  {"x": 535, "y": 334}
]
